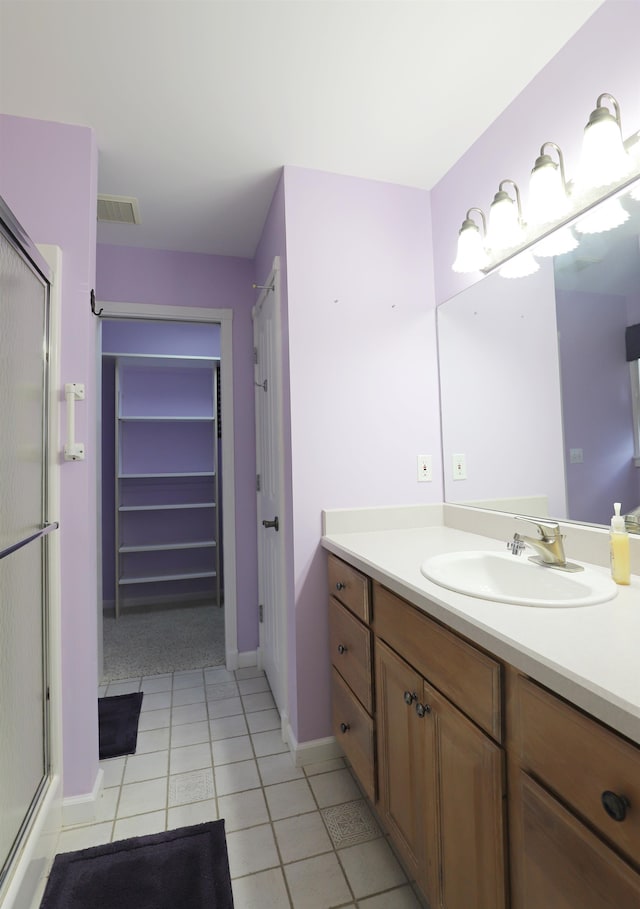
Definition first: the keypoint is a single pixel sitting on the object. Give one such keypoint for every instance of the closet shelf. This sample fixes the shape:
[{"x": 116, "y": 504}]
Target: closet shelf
[
  {"x": 144, "y": 476},
  {"x": 186, "y": 576},
  {"x": 159, "y": 547},
  {"x": 166, "y": 507}
]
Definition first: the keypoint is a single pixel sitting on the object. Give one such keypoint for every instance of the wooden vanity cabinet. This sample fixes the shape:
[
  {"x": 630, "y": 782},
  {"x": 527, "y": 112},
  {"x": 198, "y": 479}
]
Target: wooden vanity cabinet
[
  {"x": 441, "y": 777},
  {"x": 567, "y": 850},
  {"x": 352, "y": 667}
]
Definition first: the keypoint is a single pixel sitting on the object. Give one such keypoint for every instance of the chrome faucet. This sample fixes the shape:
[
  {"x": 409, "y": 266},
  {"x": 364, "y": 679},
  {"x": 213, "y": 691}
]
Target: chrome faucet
[{"x": 548, "y": 546}]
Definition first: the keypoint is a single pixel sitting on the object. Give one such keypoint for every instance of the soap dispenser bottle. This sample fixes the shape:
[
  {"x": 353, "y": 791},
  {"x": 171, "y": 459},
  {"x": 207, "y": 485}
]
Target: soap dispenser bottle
[{"x": 619, "y": 548}]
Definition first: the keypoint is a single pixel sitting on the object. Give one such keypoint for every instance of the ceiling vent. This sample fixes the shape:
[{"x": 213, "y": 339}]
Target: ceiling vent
[{"x": 118, "y": 209}]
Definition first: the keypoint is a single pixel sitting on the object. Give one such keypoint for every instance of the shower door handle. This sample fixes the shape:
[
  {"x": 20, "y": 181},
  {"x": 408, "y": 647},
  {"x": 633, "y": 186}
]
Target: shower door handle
[{"x": 275, "y": 524}]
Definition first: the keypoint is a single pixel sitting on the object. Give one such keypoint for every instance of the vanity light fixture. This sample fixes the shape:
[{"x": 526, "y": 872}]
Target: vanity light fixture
[
  {"x": 603, "y": 159},
  {"x": 471, "y": 255},
  {"x": 608, "y": 167},
  {"x": 505, "y": 219}
]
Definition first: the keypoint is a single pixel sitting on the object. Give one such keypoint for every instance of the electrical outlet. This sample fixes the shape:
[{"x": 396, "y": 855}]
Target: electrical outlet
[
  {"x": 459, "y": 467},
  {"x": 425, "y": 469},
  {"x": 575, "y": 456}
]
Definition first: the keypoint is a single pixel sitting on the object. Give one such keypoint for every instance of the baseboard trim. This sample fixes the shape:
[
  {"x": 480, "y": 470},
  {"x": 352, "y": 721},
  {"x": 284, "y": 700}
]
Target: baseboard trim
[
  {"x": 81, "y": 809},
  {"x": 313, "y": 752},
  {"x": 247, "y": 659}
]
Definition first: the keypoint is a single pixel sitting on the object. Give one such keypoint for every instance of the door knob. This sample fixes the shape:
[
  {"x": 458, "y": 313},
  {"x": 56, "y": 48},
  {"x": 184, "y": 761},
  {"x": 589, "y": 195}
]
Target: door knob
[{"x": 275, "y": 524}]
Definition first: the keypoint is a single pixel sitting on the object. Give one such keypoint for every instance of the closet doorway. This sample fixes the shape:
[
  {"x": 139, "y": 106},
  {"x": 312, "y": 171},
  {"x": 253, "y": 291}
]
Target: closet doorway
[{"x": 168, "y": 591}]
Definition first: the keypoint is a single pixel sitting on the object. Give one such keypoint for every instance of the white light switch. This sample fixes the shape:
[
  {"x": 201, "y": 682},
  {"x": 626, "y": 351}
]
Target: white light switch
[
  {"x": 425, "y": 470},
  {"x": 459, "y": 467}
]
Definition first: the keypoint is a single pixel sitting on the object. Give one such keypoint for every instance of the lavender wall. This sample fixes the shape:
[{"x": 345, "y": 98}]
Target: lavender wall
[
  {"x": 594, "y": 370},
  {"x": 48, "y": 176},
  {"x": 363, "y": 380},
  {"x": 602, "y": 56},
  {"x": 165, "y": 278}
]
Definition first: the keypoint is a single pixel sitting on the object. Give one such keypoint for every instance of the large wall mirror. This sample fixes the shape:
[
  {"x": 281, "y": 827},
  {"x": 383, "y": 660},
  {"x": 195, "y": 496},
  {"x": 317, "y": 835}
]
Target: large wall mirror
[{"x": 539, "y": 401}]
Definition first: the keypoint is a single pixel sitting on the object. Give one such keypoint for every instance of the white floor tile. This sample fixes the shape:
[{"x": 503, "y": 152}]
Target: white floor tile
[
  {"x": 190, "y": 757},
  {"x": 194, "y": 786},
  {"x": 302, "y": 836},
  {"x": 106, "y": 805},
  {"x": 193, "y": 813},
  {"x": 224, "y": 707},
  {"x": 188, "y": 678},
  {"x": 243, "y": 809},
  {"x": 189, "y": 734},
  {"x": 249, "y": 672},
  {"x": 125, "y": 686},
  {"x": 261, "y": 701},
  {"x": 73, "y": 838},
  {"x": 403, "y": 898},
  {"x": 334, "y": 788},
  {"x": 265, "y": 743},
  {"x": 113, "y": 769},
  {"x": 182, "y": 696},
  {"x": 140, "y": 825},
  {"x": 156, "y": 701},
  {"x": 218, "y": 674},
  {"x": 265, "y": 890},
  {"x": 264, "y": 720},
  {"x": 151, "y": 684},
  {"x": 227, "y": 751},
  {"x": 189, "y": 713},
  {"x": 228, "y": 726},
  {"x": 317, "y": 883},
  {"x": 146, "y": 766},
  {"x": 324, "y": 767},
  {"x": 278, "y": 768},
  {"x": 287, "y": 799},
  {"x": 153, "y": 740},
  {"x": 371, "y": 867},
  {"x": 221, "y": 690},
  {"x": 236, "y": 777},
  {"x": 154, "y": 719},
  {"x": 250, "y": 850},
  {"x": 137, "y": 798},
  {"x": 251, "y": 686}
]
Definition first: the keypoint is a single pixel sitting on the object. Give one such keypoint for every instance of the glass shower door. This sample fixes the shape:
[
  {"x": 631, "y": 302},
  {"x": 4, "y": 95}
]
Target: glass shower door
[{"x": 24, "y": 760}]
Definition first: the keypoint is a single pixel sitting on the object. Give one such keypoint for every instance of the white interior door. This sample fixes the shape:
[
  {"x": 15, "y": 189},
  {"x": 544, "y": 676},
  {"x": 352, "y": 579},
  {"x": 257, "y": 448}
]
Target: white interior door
[{"x": 269, "y": 460}]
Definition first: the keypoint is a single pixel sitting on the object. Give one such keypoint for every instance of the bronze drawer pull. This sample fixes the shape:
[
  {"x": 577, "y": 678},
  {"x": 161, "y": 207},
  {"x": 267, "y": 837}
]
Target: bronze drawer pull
[
  {"x": 615, "y": 805},
  {"x": 344, "y": 727},
  {"x": 340, "y": 585},
  {"x": 410, "y": 698},
  {"x": 342, "y": 648},
  {"x": 422, "y": 709}
]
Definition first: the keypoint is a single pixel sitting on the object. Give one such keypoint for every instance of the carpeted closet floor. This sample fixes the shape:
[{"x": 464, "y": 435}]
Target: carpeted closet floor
[{"x": 153, "y": 641}]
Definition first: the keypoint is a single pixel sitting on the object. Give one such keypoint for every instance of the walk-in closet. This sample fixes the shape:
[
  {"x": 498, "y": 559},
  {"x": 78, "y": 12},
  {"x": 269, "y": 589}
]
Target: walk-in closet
[{"x": 163, "y": 599}]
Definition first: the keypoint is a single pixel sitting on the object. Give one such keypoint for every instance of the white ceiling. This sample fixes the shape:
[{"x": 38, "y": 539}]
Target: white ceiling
[{"x": 196, "y": 105}]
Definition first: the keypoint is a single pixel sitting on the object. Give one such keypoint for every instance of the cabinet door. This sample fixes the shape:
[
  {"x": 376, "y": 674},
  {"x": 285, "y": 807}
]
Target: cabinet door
[
  {"x": 471, "y": 787},
  {"x": 564, "y": 865},
  {"x": 406, "y": 768}
]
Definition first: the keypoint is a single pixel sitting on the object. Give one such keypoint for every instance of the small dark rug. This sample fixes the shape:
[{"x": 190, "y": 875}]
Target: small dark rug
[
  {"x": 186, "y": 868},
  {"x": 118, "y": 724}
]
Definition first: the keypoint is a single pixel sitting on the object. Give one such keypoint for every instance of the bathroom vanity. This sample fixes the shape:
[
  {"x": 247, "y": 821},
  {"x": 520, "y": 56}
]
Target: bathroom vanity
[{"x": 499, "y": 744}]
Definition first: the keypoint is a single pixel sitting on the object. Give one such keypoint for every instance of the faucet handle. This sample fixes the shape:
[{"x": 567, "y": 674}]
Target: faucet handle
[
  {"x": 516, "y": 545},
  {"x": 548, "y": 531}
]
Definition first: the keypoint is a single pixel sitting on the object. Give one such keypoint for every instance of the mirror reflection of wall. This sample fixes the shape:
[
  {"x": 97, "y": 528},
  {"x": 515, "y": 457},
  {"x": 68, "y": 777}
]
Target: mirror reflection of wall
[{"x": 536, "y": 391}]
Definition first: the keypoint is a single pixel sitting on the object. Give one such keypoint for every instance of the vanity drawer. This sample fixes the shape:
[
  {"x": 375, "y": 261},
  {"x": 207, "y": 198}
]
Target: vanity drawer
[
  {"x": 350, "y": 587},
  {"x": 350, "y": 647},
  {"x": 579, "y": 760},
  {"x": 466, "y": 675},
  {"x": 354, "y": 732}
]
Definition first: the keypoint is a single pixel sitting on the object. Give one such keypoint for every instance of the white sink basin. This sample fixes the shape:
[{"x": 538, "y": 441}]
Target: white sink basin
[{"x": 513, "y": 579}]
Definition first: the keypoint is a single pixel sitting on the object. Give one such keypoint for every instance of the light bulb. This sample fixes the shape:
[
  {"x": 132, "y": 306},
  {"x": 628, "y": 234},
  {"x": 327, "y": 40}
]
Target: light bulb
[
  {"x": 603, "y": 159},
  {"x": 556, "y": 244},
  {"x": 606, "y": 216},
  {"x": 505, "y": 230},
  {"x": 548, "y": 200},
  {"x": 520, "y": 266},
  {"x": 471, "y": 255}
]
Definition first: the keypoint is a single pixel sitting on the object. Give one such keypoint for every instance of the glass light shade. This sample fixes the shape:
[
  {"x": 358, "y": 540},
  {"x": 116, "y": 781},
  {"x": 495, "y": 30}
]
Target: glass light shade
[
  {"x": 635, "y": 191},
  {"x": 548, "y": 200},
  {"x": 604, "y": 217},
  {"x": 505, "y": 230},
  {"x": 556, "y": 244},
  {"x": 603, "y": 159},
  {"x": 520, "y": 266},
  {"x": 471, "y": 255}
]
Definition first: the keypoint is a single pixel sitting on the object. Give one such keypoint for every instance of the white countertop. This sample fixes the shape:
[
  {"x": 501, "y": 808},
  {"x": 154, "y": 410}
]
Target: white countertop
[{"x": 589, "y": 655}]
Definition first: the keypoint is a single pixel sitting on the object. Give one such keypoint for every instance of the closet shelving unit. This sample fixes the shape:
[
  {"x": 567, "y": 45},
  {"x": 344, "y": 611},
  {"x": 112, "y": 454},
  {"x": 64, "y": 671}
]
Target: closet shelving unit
[{"x": 166, "y": 454}]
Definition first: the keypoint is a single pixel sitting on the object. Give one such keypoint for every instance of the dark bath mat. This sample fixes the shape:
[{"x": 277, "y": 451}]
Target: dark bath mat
[
  {"x": 186, "y": 868},
  {"x": 118, "y": 724}
]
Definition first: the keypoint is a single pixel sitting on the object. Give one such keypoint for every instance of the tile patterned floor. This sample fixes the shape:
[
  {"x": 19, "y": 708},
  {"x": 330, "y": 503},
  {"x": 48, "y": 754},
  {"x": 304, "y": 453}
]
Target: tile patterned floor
[{"x": 209, "y": 746}]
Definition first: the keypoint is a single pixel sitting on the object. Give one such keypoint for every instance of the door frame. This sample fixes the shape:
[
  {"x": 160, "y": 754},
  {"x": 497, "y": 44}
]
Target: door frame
[{"x": 224, "y": 318}]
